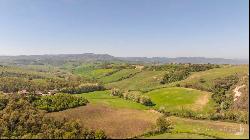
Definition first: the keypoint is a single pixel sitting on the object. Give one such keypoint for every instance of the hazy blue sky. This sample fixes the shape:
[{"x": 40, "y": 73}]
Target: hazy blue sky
[{"x": 170, "y": 28}]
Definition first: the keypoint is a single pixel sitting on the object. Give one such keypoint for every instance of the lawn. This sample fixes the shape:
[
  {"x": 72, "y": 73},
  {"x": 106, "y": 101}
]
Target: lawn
[
  {"x": 103, "y": 97},
  {"x": 178, "y": 98},
  {"x": 143, "y": 81}
]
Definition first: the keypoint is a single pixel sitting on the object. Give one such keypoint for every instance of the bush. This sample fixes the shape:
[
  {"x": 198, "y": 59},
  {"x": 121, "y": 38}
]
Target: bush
[
  {"x": 99, "y": 134},
  {"x": 202, "y": 80},
  {"x": 163, "y": 124},
  {"x": 116, "y": 92},
  {"x": 134, "y": 96},
  {"x": 145, "y": 100}
]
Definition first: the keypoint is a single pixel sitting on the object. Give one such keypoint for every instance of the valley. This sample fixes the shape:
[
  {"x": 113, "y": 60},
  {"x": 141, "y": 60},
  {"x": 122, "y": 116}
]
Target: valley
[{"x": 124, "y": 100}]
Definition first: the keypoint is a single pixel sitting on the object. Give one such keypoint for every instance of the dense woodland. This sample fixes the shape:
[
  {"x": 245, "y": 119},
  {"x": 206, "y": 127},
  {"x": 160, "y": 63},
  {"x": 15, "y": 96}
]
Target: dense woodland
[
  {"x": 57, "y": 102},
  {"x": 19, "y": 119}
]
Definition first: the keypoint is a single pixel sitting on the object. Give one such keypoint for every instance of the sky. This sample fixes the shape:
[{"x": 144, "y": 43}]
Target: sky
[{"x": 148, "y": 28}]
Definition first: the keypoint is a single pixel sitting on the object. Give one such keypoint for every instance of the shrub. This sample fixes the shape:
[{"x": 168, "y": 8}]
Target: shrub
[
  {"x": 163, "y": 124},
  {"x": 145, "y": 100},
  {"x": 116, "y": 92},
  {"x": 99, "y": 134},
  {"x": 134, "y": 96},
  {"x": 202, "y": 80}
]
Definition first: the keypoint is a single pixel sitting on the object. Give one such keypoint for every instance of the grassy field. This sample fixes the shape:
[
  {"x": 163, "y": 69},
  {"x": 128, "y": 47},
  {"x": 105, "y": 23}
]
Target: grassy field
[
  {"x": 103, "y": 97},
  {"x": 188, "y": 128},
  {"x": 122, "y": 74},
  {"x": 209, "y": 76},
  {"x": 91, "y": 72},
  {"x": 177, "y": 98},
  {"x": 143, "y": 81},
  {"x": 117, "y": 123}
]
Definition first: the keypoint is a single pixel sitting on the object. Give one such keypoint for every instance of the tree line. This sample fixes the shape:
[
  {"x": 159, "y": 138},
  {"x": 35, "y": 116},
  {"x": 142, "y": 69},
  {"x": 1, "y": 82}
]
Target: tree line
[
  {"x": 133, "y": 96},
  {"x": 83, "y": 88}
]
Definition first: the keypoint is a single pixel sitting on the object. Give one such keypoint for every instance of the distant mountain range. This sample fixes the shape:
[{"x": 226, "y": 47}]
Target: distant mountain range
[
  {"x": 59, "y": 59},
  {"x": 194, "y": 60}
]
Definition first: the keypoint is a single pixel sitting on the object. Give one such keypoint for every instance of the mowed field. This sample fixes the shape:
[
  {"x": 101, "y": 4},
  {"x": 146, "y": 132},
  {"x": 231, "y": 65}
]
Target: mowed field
[
  {"x": 143, "y": 81},
  {"x": 208, "y": 77},
  {"x": 116, "y": 122},
  {"x": 193, "y": 129},
  {"x": 181, "y": 98}
]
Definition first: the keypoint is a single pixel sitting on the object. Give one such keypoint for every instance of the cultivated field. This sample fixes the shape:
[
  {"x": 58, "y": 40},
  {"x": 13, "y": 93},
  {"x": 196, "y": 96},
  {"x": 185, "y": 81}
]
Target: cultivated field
[{"x": 117, "y": 123}]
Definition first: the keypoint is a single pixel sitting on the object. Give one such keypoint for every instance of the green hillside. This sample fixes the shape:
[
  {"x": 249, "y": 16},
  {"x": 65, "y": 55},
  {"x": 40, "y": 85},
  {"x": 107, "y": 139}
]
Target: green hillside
[
  {"x": 143, "y": 81},
  {"x": 205, "y": 80},
  {"x": 120, "y": 75},
  {"x": 91, "y": 72}
]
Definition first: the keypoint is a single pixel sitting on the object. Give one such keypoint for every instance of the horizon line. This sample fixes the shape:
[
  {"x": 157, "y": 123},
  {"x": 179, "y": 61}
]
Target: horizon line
[{"x": 2, "y": 55}]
